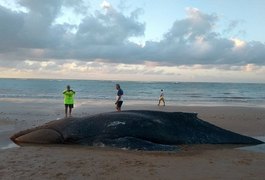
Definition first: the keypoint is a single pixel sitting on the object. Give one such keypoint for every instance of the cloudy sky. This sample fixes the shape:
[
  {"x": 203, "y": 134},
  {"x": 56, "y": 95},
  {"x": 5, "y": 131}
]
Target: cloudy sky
[{"x": 162, "y": 40}]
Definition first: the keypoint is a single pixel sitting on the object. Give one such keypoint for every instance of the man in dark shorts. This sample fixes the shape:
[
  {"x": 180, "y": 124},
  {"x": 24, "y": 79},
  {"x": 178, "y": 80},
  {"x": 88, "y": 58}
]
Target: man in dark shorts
[
  {"x": 119, "y": 99},
  {"x": 68, "y": 100}
]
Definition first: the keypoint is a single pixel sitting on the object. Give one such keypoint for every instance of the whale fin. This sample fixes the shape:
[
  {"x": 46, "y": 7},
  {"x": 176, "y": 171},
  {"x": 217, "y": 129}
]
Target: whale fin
[{"x": 133, "y": 143}]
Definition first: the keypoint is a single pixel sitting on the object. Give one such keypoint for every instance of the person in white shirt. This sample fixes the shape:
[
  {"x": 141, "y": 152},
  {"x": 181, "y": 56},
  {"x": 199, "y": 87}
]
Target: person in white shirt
[{"x": 161, "y": 98}]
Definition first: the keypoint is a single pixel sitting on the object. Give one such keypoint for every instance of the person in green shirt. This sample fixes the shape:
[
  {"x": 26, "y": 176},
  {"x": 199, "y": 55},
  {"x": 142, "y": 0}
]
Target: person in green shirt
[{"x": 68, "y": 100}]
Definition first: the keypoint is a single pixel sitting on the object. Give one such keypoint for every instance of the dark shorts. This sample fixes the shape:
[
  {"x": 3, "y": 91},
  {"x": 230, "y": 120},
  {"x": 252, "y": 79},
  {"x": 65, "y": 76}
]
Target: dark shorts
[
  {"x": 119, "y": 103},
  {"x": 69, "y": 105}
]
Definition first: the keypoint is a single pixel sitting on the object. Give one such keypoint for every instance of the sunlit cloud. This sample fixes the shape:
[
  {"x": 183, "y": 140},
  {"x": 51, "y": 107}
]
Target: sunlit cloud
[
  {"x": 250, "y": 68},
  {"x": 238, "y": 43},
  {"x": 105, "y": 5}
]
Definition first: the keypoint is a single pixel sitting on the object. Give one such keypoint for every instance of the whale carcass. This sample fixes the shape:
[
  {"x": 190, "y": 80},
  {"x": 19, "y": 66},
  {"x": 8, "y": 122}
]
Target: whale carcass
[{"x": 135, "y": 129}]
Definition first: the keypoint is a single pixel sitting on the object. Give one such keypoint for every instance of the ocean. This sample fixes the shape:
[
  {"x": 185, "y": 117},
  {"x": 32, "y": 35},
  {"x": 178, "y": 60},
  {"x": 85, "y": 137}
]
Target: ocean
[{"x": 176, "y": 93}]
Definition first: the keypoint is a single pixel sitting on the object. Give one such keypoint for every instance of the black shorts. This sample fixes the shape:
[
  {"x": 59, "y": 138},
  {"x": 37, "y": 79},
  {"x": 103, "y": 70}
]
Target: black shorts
[
  {"x": 119, "y": 103},
  {"x": 69, "y": 105}
]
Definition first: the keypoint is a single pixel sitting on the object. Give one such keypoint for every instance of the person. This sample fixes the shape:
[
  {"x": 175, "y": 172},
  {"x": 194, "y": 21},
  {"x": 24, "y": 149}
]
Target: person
[
  {"x": 161, "y": 98},
  {"x": 119, "y": 99},
  {"x": 68, "y": 100}
]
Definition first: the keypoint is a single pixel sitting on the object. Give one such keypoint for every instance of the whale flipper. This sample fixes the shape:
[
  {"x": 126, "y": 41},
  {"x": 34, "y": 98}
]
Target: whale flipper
[{"x": 132, "y": 143}]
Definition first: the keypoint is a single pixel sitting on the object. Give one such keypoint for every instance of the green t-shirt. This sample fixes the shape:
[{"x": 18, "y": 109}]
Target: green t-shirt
[{"x": 69, "y": 97}]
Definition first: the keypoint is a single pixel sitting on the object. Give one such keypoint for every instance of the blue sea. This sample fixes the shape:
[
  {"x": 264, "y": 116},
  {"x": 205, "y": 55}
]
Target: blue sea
[{"x": 176, "y": 93}]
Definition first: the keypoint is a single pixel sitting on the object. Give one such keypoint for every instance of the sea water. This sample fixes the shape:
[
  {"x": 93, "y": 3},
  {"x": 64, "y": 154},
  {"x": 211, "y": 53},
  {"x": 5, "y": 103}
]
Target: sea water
[{"x": 176, "y": 93}]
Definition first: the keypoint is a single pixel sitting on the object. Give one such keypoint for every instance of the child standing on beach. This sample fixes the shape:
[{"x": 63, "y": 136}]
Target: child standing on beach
[
  {"x": 68, "y": 100},
  {"x": 119, "y": 100},
  {"x": 161, "y": 98}
]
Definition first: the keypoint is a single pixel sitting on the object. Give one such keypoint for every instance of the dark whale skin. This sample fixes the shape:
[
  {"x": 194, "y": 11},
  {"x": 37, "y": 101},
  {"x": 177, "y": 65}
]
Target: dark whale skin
[{"x": 134, "y": 129}]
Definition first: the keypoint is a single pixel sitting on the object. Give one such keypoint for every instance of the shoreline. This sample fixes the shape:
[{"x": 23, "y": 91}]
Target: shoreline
[{"x": 131, "y": 102}]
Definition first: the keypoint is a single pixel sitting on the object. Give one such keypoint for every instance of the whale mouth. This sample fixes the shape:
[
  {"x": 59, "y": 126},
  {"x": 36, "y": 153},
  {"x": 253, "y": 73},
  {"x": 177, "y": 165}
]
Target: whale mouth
[{"x": 40, "y": 136}]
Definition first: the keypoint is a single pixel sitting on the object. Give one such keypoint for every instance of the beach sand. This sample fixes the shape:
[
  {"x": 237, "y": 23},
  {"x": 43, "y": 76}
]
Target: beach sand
[{"x": 83, "y": 162}]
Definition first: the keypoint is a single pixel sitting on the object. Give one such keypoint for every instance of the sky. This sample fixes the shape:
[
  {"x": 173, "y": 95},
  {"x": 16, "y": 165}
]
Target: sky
[{"x": 162, "y": 40}]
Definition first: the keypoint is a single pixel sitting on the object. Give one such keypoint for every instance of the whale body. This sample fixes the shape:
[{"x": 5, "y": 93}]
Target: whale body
[{"x": 135, "y": 129}]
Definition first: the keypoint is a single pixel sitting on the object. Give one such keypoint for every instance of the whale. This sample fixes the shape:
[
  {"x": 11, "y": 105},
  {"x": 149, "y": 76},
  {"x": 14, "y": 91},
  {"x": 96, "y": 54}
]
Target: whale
[{"x": 132, "y": 129}]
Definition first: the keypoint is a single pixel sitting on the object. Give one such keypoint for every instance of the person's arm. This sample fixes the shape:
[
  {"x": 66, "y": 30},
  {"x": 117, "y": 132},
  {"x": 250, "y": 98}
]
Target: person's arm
[
  {"x": 119, "y": 94},
  {"x": 119, "y": 97}
]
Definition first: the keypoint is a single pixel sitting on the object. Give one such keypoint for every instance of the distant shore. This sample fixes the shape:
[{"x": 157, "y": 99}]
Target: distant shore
[{"x": 70, "y": 162}]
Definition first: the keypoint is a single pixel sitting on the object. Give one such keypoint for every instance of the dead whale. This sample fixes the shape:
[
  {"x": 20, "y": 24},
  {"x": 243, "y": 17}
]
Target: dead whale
[{"x": 135, "y": 129}]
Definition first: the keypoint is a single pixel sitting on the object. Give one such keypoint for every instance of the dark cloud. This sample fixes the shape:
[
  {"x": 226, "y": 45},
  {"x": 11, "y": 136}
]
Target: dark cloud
[
  {"x": 105, "y": 35},
  {"x": 108, "y": 29},
  {"x": 30, "y": 30},
  {"x": 11, "y": 23}
]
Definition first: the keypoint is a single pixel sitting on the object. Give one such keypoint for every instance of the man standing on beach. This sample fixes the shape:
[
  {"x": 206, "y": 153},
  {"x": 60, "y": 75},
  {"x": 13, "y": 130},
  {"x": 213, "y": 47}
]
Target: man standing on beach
[
  {"x": 68, "y": 100},
  {"x": 161, "y": 98},
  {"x": 119, "y": 100}
]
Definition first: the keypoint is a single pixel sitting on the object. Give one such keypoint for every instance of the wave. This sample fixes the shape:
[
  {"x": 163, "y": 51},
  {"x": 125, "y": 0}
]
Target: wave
[{"x": 234, "y": 97}]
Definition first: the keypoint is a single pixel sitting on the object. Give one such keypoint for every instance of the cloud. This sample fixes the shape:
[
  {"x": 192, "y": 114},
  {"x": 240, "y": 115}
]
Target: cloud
[
  {"x": 10, "y": 26},
  {"x": 30, "y": 30},
  {"x": 105, "y": 5},
  {"x": 36, "y": 34}
]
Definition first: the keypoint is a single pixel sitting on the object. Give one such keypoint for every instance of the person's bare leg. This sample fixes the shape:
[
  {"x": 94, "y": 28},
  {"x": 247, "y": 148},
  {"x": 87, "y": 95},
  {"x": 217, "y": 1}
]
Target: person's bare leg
[
  {"x": 66, "y": 109},
  {"x": 70, "y": 112}
]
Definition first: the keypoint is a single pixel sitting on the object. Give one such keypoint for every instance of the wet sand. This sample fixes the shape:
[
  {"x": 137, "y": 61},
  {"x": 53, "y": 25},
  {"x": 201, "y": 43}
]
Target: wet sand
[{"x": 82, "y": 162}]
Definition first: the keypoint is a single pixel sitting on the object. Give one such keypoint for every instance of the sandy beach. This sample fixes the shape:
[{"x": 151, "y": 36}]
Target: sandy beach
[{"x": 82, "y": 162}]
